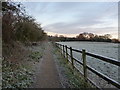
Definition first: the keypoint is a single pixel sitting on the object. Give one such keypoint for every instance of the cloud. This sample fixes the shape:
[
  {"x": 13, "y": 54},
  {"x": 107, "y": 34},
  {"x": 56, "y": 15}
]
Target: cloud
[{"x": 75, "y": 17}]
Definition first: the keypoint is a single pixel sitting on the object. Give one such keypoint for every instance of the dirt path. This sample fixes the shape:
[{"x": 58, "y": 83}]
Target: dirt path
[{"x": 46, "y": 72}]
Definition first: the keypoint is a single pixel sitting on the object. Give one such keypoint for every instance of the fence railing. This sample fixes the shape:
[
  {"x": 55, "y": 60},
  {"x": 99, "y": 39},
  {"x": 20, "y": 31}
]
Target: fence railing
[{"x": 65, "y": 48}]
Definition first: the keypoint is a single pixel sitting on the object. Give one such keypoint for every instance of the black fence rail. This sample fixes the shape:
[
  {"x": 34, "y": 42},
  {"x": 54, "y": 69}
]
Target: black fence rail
[{"x": 65, "y": 48}]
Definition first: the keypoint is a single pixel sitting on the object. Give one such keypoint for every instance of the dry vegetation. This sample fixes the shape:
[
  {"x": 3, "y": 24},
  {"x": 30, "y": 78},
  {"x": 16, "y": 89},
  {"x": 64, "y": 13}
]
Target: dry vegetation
[
  {"x": 70, "y": 78},
  {"x": 19, "y": 31}
]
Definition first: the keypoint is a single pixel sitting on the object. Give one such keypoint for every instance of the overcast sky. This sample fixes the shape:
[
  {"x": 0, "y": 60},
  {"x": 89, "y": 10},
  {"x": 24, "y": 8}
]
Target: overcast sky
[{"x": 72, "y": 18}]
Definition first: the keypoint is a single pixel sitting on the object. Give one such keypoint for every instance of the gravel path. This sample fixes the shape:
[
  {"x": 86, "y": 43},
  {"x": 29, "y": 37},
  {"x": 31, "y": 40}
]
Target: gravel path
[{"x": 46, "y": 72}]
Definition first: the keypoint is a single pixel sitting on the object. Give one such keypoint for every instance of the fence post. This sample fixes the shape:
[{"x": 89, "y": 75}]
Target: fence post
[
  {"x": 84, "y": 64},
  {"x": 61, "y": 48},
  {"x": 58, "y": 47},
  {"x": 71, "y": 54},
  {"x": 66, "y": 52},
  {"x": 63, "y": 51}
]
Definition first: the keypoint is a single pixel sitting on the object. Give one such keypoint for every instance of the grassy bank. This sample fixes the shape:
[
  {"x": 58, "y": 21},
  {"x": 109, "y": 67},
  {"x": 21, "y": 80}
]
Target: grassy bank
[
  {"x": 74, "y": 78},
  {"x": 18, "y": 68}
]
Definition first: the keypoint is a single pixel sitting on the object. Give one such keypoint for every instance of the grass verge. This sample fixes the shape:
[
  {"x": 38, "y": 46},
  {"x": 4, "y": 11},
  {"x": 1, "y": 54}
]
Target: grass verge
[
  {"x": 20, "y": 74},
  {"x": 15, "y": 75},
  {"x": 74, "y": 77}
]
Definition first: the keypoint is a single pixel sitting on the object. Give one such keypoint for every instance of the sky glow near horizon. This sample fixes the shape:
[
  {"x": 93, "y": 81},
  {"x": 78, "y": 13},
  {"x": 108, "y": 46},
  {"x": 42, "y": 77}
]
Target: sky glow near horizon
[{"x": 71, "y": 18}]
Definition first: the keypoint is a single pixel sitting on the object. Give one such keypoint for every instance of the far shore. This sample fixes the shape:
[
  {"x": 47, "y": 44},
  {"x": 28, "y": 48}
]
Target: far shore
[{"x": 89, "y": 41}]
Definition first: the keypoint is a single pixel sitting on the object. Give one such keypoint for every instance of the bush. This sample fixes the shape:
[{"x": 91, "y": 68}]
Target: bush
[{"x": 17, "y": 26}]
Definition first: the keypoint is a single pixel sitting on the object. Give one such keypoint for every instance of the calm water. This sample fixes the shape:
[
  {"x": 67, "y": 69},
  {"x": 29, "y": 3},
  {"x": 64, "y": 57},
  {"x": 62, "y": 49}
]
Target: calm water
[{"x": 106, "y": 49}]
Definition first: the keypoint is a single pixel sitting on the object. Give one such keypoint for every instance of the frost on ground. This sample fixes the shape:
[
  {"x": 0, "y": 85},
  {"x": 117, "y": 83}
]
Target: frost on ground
[
  {"x": 18, "y": 67},
  {"x": 102, "y": 48},
  {"x": 69, "y": 78},
  {"x": 46, "y": 75}
]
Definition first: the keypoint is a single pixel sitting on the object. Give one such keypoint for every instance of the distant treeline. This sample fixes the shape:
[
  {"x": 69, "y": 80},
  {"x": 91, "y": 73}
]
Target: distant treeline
[
  {"x": 85, "y": 36},
  {"x": 18, "y": 26}
]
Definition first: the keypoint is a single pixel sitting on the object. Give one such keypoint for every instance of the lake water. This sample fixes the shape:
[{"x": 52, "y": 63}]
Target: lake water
[{"x": 102, "y": 48}]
